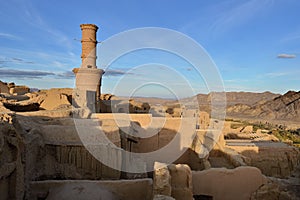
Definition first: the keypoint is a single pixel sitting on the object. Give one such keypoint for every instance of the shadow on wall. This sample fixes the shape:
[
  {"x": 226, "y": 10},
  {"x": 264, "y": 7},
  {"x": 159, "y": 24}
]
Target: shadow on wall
[{"x": 161, "y": 140}]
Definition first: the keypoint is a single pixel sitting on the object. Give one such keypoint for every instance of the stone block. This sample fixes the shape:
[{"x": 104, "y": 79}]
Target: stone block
[{"x": 161, "y": 179}]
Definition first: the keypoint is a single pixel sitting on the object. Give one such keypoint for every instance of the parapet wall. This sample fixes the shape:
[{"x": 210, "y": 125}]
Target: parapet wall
[{"x": 143, "y": 119}]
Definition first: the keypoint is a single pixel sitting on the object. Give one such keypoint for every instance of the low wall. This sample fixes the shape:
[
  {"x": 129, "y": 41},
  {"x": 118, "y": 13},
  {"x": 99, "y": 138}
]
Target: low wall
[
  {"x": 227, "y": 184},
  {"x": 145, "y": 120}
]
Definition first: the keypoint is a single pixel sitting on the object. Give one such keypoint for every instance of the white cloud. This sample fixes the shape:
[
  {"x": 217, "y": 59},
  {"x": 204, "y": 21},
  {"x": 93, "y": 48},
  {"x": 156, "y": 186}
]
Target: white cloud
[
  {"x": 59, "y": 64},
  {"x": 112, "y": 72},
  {"x": 277, "y": 74},
  {"x": 291, "y": 37},
  {"x": 238, "y": 14},
  {"x": 9, "y": 36},
  {"x": 34, "y": 18},
  {"x": 23, "y": 74},
  {"x": 66, "y": 75},
  {"x": 283, "y": 55},
  {"x": 236, "y": 80},
  {"x": 26, "y": 59},
  {"x": 288, "y": 73}
]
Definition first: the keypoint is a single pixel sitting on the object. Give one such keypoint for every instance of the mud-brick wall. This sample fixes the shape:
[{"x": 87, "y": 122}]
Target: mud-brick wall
[
  {"x": 72, "y": 162},
  {"x": 277, "y": 161},
  {"x": 165, "y": 136},
  {"x": 11, "y": 168}
]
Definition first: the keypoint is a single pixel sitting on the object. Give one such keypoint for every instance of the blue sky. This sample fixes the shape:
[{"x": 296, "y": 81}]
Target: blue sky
[{"x": 255, "y": 43}]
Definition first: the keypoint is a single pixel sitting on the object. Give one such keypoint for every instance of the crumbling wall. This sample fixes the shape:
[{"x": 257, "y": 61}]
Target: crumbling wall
[
  {"x": 3, "y": 88},
  {"x": 111, "y": 104},
  {"x": 181, "y": 182},
  {"x": 273, "y": 159},
  {"x": 53, "y": 98},
  {"x": 58, "y": 153},
  {"x": 58, "y": 162},
  {"x": 161, "y": 180},
  {"x": 166, "y": 129},
  {"x": 173, "y": 180},
  {"x": 19, "y": 90},
  {"x": 278, "y": 189},
  {"x": 11, "y": 163},
  {"x": 163, "y": 132},
  {"x": 41, "y": 148}
]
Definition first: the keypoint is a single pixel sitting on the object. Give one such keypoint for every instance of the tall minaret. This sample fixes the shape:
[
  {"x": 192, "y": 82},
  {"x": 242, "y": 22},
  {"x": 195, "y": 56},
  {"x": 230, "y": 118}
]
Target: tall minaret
[
  {"x": 88, "y": 77},
  {"x": 89, "y": 44}
]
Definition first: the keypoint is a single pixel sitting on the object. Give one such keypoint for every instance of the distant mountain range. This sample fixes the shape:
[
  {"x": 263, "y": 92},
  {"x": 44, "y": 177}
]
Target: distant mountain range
[
  {"x": 233, "y": 98},
  {"x": 266, "y": 105},
  {"x": 282, "y": 107}
]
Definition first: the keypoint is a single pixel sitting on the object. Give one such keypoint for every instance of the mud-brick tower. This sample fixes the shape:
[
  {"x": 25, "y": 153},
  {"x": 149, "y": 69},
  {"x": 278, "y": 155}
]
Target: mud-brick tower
[{"x": 88, "y": 77}]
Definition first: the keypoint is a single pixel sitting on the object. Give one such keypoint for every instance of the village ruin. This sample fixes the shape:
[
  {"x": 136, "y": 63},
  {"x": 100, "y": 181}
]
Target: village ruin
[{"x": 44, "y": 157}]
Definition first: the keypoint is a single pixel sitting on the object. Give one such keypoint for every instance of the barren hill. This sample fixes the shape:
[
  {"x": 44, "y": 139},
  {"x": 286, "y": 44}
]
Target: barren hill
[
  {"x": 153, "y": 100},
  {"x": 232, "y": 98},
  {"x": 283, "y": 107},
  {"x": 248, "y": 98},
  {"x": 242, "y": 99}
]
